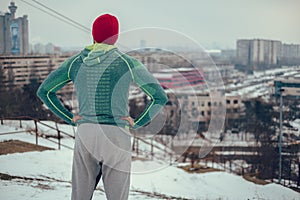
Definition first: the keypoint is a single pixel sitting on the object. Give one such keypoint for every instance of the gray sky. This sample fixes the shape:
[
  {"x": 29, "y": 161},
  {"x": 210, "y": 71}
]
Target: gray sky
[{"x": 212, "y": 23}]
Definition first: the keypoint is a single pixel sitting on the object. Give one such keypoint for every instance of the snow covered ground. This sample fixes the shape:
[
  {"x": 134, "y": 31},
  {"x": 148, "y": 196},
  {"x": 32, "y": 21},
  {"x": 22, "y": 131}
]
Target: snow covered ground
[
  {"x": 296, "y": 125},
  {"x": 259, "y": 84},
  {"x": 47, "y": 175}
]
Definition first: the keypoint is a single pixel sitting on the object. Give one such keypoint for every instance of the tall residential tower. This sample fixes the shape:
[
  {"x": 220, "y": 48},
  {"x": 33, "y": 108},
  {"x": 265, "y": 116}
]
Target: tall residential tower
[
  {"x": 13, "y": 32},
  {"x": 258, "y": 54}
]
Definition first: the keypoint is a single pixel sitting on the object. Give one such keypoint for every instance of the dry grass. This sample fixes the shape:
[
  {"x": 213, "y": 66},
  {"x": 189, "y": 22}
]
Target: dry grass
[
  {"x": 198, "y": 169},
  {"x": 17, "y": 146},
  {"x": 254, "y": 179}
]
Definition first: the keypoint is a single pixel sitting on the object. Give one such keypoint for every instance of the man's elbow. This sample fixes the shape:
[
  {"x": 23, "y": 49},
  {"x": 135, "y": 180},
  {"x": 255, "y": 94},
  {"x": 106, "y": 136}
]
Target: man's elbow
[{"x": 40, "y": 93}]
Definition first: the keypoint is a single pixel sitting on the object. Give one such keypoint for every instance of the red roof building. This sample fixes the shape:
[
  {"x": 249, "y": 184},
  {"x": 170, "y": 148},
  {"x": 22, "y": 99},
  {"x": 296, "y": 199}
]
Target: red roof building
[{"x": 179, "y": 77}]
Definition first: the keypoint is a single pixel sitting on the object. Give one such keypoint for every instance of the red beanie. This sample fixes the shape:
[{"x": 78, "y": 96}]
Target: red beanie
[{"x": 105, "y": 29}]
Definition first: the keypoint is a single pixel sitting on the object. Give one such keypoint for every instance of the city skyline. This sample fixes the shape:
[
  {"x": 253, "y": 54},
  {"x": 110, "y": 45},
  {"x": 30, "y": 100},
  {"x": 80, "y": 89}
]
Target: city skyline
[{"x": 213, "y": 24}]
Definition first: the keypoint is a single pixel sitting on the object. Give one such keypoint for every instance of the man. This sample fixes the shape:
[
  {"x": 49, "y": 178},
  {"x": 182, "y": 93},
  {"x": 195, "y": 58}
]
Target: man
[{"x": 102, "y": 76}]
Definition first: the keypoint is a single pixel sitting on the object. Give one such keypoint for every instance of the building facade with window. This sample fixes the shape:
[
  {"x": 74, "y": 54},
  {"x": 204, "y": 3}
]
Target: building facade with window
[
  {"x": 199, "y": 109},
  {"x": 20, "y": 70}
]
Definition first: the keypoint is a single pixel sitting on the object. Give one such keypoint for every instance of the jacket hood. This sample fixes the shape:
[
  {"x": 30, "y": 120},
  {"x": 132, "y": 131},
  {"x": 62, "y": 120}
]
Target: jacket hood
[{"x": 96, "y": 53}]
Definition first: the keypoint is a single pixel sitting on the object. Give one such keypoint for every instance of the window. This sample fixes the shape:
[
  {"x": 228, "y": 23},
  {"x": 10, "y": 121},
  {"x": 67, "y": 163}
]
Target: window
[
  {"x": 235, "y": 101},
  {"x": 228, "y": 101}
]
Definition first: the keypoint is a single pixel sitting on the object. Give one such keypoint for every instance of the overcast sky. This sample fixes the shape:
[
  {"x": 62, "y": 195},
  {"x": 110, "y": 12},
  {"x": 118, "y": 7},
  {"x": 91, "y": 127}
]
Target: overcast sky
[{"x": 212, "y": 23}]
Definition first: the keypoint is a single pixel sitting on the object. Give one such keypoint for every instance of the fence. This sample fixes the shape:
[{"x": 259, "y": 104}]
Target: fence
[
  {"x": 152, "y": 149},
  {"x": 37, "y": 130},
  {"x": 230, "y": 162},
  {"x": 140, "y": 147}
]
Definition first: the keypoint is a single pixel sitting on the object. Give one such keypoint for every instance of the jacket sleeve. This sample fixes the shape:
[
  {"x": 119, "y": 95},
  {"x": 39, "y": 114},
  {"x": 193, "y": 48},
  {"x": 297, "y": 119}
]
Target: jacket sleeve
[
  {"x": 47, "y": 92},
  {"x": 149, "y": 84}
]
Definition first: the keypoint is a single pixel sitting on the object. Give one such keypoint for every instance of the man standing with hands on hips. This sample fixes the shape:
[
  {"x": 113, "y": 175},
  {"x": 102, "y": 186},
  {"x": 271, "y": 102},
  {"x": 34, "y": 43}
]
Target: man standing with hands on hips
[{"x": 102, "y": 76}]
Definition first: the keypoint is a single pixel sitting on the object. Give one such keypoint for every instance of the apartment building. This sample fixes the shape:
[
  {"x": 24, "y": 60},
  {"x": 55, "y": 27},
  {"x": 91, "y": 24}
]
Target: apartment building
[
  {"x": 258, "y": 54},
  {"x": 290, "y": 54},
  {"x": 19, "y": 70},
  {"x": 196, "y": 110}
]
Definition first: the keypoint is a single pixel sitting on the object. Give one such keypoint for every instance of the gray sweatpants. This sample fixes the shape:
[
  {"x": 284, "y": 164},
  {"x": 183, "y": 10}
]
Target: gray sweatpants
[{"x": 101, "y": 150}]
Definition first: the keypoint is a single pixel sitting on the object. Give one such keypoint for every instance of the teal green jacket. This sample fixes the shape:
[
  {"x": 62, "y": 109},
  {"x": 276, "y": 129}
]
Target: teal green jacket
[{"x": 102, "y": 76}]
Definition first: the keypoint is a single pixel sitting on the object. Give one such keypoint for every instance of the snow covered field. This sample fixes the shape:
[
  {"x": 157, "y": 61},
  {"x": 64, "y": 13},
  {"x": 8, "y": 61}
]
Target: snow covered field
[
  {"x": 47, "y": 175},
  {"x": 259, "y": 84}
]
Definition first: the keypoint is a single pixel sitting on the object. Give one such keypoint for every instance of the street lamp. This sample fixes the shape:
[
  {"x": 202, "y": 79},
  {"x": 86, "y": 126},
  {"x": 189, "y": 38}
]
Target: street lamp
[
  {"x": 279, "y": 84},
  {"x": 280, "y": 137}
]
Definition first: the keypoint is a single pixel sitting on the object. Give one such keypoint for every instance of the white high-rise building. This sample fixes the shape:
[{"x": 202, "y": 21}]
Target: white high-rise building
[{"x": 258, "y": 54}]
